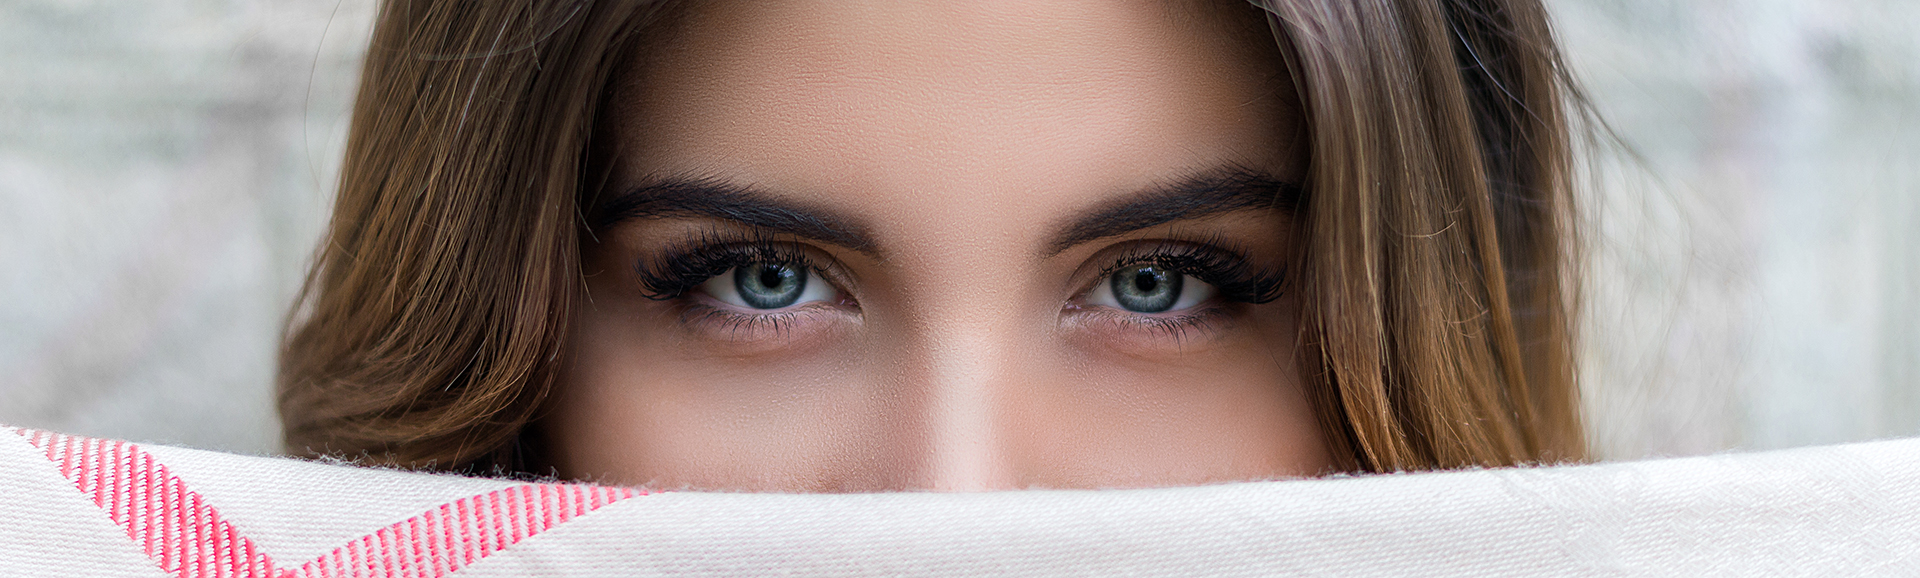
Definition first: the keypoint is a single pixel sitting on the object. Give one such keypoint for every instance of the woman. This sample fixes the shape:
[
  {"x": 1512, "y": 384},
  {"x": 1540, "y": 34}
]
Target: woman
[{"x": 854, "y": 246}]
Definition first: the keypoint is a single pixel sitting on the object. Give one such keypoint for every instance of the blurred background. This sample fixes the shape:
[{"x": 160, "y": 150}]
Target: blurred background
[{"x": 166, "y": 167}]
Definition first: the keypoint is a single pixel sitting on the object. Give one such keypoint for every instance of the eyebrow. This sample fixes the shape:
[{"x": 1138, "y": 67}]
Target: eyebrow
[
  {"x": 1199, "y": 195},
  {"x": 720, "y": 199}
]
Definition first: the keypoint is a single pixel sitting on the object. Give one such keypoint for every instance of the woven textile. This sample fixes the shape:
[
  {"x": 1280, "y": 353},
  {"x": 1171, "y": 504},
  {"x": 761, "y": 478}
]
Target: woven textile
[{"x": 72, "y": 506}]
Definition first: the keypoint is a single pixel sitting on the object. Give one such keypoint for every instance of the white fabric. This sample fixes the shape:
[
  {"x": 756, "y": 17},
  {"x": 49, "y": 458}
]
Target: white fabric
[
  {"x": 1851, "y": 510},
  {"x": 294, "y": 528},
  {"x": 48, "y": 529}
]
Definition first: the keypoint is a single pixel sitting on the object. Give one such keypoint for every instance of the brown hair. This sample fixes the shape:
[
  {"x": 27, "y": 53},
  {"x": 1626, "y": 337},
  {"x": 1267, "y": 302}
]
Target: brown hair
[{"x": 1437, "y": 279}]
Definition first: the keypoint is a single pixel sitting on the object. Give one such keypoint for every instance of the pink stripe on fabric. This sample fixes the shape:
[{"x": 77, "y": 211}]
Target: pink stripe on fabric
[{"x": 186, "y": 536}]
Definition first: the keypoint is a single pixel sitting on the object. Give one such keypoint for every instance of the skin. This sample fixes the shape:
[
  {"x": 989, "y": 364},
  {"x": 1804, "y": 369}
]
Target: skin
[{"x": 960, "y": 350}]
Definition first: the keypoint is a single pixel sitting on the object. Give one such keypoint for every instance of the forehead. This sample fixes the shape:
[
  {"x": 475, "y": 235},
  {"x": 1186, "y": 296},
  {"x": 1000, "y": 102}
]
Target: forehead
[{"x": 954, "y": 104}]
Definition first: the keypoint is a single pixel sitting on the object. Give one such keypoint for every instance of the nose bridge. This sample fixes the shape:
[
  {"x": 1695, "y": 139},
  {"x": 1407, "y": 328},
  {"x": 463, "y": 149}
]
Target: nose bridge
[{"x": 959, "y": 360}]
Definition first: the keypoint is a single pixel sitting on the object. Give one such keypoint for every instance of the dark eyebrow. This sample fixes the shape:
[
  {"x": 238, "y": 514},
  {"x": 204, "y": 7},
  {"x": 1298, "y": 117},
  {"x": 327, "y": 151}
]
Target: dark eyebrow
[
  {"x": 1200, "y": 195},
  {"x": 723, "y": 200}
]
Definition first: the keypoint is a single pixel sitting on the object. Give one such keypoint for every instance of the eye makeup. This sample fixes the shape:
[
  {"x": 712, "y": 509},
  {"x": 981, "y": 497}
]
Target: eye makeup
[
  {"x": 750, "y": 285},
  {"x": 685, "y": 265},
  {"x": 743, "y": 287},
  {"x": 1212, "y": 261},
  {"x": 1159, "y": 292}
]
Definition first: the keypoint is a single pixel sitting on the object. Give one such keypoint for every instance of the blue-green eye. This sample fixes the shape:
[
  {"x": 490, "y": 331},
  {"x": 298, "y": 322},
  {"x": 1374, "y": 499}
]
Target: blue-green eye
[
  {"x": 767, "y": 286},
  {"x": 1150, "y": 289}
]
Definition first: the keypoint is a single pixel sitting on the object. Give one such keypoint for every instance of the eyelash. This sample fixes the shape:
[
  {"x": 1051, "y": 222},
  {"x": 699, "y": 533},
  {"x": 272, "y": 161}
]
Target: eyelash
[
  {"x": 683, "y": 266},
  {"x": 1224, "y": 268},
  {"x": 686, "y": 265}
]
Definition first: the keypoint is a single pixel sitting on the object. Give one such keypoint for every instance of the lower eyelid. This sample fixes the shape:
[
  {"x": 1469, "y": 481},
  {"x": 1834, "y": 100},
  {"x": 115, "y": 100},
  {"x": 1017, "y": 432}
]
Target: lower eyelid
[
  {"x": 715, "y": 320},
  {"x": 1206, "y": 317},
  {"x": 705, "y": 313},
  {"x": 708, "y": 301}
]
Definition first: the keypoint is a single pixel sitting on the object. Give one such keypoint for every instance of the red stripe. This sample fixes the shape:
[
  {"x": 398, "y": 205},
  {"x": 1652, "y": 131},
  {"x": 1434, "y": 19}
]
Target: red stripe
[
  {"x": 185, "y": 535},
  {"x": 117, "y": 493},
  {"x": 66, "y": 460},
  {"x": 464, "y": 552}
]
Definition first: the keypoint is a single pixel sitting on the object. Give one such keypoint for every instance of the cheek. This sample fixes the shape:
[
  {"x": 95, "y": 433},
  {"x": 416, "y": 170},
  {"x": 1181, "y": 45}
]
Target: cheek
[
  {"x": 1232, "y": 411},
  {"x": 638, "y": 403}
]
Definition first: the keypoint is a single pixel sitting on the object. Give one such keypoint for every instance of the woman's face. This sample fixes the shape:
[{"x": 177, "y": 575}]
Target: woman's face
[{"x": 873, "y": 245}]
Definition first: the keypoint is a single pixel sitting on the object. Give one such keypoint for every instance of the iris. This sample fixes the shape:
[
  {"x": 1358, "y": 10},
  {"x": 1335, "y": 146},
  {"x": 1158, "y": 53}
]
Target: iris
[
  {"x": 1146, "y": 288},
  {"x": 769, "y": 285}
]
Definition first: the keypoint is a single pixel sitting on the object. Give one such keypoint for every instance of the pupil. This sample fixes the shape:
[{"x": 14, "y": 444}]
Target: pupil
[{"x": 1145, "y": 281}]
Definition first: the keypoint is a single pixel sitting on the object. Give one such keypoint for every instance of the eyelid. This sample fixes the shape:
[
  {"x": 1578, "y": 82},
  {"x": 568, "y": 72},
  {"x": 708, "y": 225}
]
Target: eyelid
[
  {"x": 1214, "y": 262},
  {"x": 706, "y": 317},
  {"x": 680, "y": 267}
]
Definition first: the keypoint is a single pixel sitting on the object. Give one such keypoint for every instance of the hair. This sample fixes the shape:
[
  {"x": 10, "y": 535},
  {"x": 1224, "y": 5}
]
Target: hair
[{"x": 1436, "y": 270}]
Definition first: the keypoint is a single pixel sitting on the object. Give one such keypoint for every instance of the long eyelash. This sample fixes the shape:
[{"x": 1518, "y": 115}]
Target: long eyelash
[
  {"x": 686, "y": 265},
  {"x": 1223, "y": 268}
]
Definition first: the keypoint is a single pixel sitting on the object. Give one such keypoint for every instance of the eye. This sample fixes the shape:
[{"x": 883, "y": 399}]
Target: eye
[
  {"x": 1150, "y": 288},
  {"x": 766, "y": 286}
]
